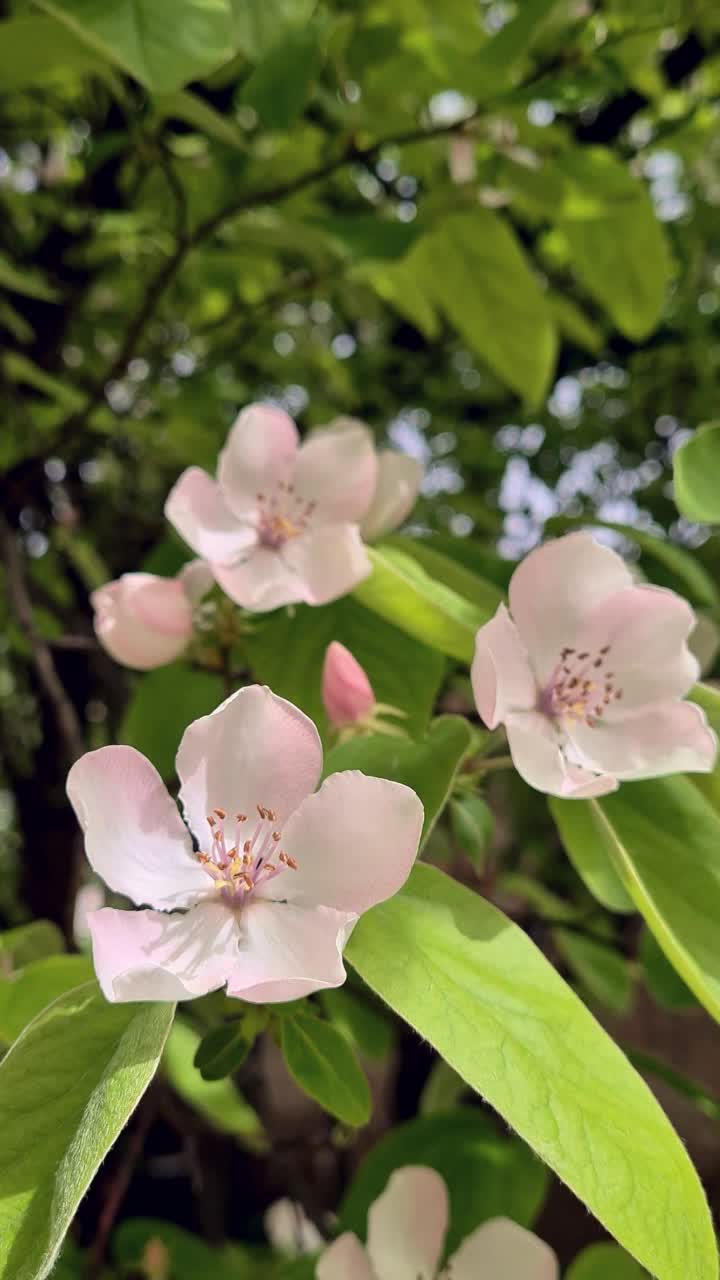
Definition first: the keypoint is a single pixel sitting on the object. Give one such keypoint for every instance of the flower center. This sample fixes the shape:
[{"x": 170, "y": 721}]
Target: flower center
[
  {"x": 580, "y": 687},
  {"x": 282, "y": 515},
  {"x": 250, "y": 861}
]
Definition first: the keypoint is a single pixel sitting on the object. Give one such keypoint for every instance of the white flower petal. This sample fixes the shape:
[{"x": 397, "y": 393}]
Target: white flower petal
[
  {"x": 407, "y": 1225},
  {"x": 671, "y": 738},
  {"x": 502, "y": 1250},
  {"x": 336, "y": 469},
  {"x": 196, "y": 507},
  {"x": 502, "y": 678},
  {"x": 537, "y": 756},
  {"x": 398, "y": 484},
  {"x": 344, "y": 1259},
  {"x": 147, "y": 955},
  {"x": 134, "y": 836},
  {"x": 288, "y": 951},
  {"x": 259, "y": 453}
]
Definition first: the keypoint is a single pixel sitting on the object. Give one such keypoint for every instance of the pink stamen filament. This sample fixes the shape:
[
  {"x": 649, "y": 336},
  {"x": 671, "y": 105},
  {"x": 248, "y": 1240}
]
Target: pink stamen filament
[
  {"x": 282, "y": 515},
  {"x": 239, "y": 869},
  {"x": 579, "y": 688}
]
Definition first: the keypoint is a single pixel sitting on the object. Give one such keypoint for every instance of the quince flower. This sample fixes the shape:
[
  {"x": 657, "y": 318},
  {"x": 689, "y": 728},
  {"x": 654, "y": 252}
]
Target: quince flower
[
  {"x": 587, "y": 672},
  {"x": 280, "y": 523},
  {"x": 266, "y": 898},
  {"x": 406, "y": 1230},
  {"x": 145, "y": 621},
  {"x": 396, "y": 487}
]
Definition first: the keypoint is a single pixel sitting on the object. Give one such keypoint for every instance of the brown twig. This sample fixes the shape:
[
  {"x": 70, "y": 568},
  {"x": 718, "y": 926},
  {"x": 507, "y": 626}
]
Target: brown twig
[{"x": 67, "y": 718}]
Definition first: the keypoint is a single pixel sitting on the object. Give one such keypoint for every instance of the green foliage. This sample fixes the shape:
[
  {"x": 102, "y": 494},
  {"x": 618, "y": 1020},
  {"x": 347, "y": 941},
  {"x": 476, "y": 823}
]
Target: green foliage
[
  {"x": 216, "y": 1099},
  {"x": 472, "y": 825},
  {"x": 696, "y": 468},
  {"x": 162, "y": 705},
  {"x": 35, "y": 987},
  {"x": 578, "y": 827},
  {"x": 473, "y": 984},
  {"x": 603, "y": 973},
  {"x": 136, "y": 35},
  {"x": 189, "y": 1256},
  {"x": 287, "y": 651},
  {"x": 364, "y": 1023},
  {"x": 322, "y": 1063},
  {"x": 662, "y": 980},
  {"x": 429, "y": 767},
  {"x": 599, "y": 1261},
  {"x": 280, "y": 85},
  {"x": 67, "y": 1088},
  {"x": 486, "y": 1174},
  {"x": 29, "y": 942}
]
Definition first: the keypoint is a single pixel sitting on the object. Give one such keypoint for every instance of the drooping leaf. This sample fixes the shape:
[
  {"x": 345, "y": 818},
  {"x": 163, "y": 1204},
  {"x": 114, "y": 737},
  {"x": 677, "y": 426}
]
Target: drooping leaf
[
  {"x": 428, "y": 766},
  {"x": 663, "y": 981},
  {"x": 487, "y": 1173},
  {"x": 217, "y": 1100},
  {"x": 475, "y": 986},
  {"x": 618, "y": 247},
  {"x": 366, "y": 1026},
  {"x": 400, "y": 591},
  {"x": 67, "y": 1088},
  {"x": 476, "y": 272},
  {"x": 322, "y": 1063},
  {"x": 696, "y": 468},
  {"x": 138, "y": 36}
]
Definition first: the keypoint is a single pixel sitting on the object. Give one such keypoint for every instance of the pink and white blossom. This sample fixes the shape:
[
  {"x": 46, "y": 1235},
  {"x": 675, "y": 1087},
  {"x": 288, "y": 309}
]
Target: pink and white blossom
[
  {"x": 346, "y": 691},
  {"x": 407, "y": 1225},
  {"x": 146, "y": 621},
  {"x": 266, "y": 898},
  {"x": 279, "y": 525},
  {"x": 587, "y": 671},
  {"x": 396, "y": 486}
]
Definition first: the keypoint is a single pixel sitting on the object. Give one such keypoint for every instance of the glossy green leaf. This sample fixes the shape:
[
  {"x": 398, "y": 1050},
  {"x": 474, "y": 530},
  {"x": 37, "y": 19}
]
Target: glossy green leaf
[
  {"x": 322, "y": 1063},
  {"x": 605, "y": 1262},
  {"x": 486, "y": 595},
  {"x": 195, "y": 111},
  {"x": 652, "y": 1066},
  {"x": 429, "y": 766},
  {"x": 586, "y": 849},
  {"x": 287, "y": 653},
  {"x": 258, "y": 24},
  {"x": 366, "y": 1025},
  {"x": 475, "y": 270},
  {"x": 280, "y": 85},
  {"x": 222, "y": 1051},
  {"x": 31, "y": 283},
  {"x": 400, "y": 591},
  {"x": 139, "y": 36},
  {"x": 663, "y": 837},
  {"x": 35, "y": 49},
  {"x": 67, "y": 1088},
  {"x": 162, "y": 705},
  {"x": 474, "y": 985},
  {"x": 494, "y": 66},
  {"x": 217, "y": 1100},
  {"x": 696, "y": 472},
  {"x": 601, "y": 970},
  {"x": 24, "y": 996},
  {"x": 487, "y": 1173},
  {"x": 442, "y": 1090},
  {"x": 618, "y": 247}
]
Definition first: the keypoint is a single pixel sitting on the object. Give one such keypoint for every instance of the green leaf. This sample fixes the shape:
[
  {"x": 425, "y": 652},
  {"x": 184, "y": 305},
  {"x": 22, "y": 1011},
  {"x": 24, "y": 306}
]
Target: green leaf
[
  {"x": 442, "y": 1090},
  {"x": 486, "y": 595},
  {"x": 35, "y": 49},
  {"x": 162, "y": 48},
  {"x": 287, "y": 652},
  {"x": 601, "y": 970},
  {"x": 663, "y": 982},
  {"x": 696, "y": 468},
  {"x": 400, "y": 591},
  {"x": 23, "y": 997},
  {"x": 474, "y": 985},
  {"x": 67, "y": 1088},
  {"x": 487, "y": 1174},
  {"x": 472, "y": 824},
  {"x": 222, "y": 1050},
  {"x": 429, "y": 766},
  {"x": 474, "y": 268},
  {"x": 618, "y": 247},
  {"x": 25, "y": 280},
  {"x": 280, "y": 85},
  {"x": 367, "y": 1027},
  {"x": 193, "y": 109},
  {"x": 258, "y": 24},
  {"x": 322, "y": 1063},
  {"x": 28, "y": 942},
  {"x": 602, "y": 1261},
  {"x": 189, "y": 1256},
  {"x": 217, "y": 1100},
  {"x": 586, "y": 849},
  {"x": 575, "y": 325},
  {"x": 663, "y": 836},
  {"x": 652, "y": 1066},
  {"x": 162, "y": 705},
  {"x": 493, "y": 66}
]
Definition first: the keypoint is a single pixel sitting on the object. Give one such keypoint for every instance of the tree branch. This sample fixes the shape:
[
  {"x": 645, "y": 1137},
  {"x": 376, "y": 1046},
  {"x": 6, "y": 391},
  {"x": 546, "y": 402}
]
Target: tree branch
[{"x": 65, "y": 714}]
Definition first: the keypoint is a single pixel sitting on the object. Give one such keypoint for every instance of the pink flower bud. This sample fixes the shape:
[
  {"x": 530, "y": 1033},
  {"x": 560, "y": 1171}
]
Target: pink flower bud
[
  {"x": 145, "y": 621},
  {"x": 346, "y": 691}
]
